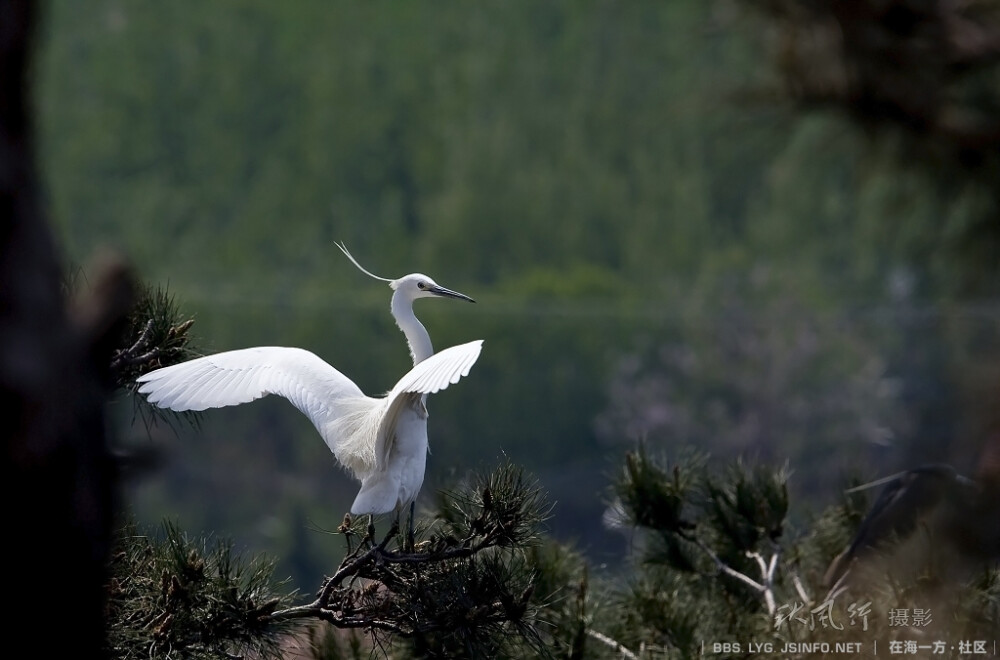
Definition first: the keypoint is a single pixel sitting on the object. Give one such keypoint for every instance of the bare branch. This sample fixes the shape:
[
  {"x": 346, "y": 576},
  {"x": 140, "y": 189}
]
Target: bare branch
[
  {"x": 727, "y": 569},
  {"x": 121, "y": 357},
  {"x": 801, "y": 589},
  {"x": 616, "y": 645}
]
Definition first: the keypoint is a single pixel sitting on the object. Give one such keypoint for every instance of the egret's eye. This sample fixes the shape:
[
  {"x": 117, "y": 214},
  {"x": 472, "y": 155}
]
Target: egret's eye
[{"x": 421, "y": 285}]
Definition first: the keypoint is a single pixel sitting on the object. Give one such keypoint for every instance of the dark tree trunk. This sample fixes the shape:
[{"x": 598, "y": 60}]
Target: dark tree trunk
[{"x": 58, "y": 475}]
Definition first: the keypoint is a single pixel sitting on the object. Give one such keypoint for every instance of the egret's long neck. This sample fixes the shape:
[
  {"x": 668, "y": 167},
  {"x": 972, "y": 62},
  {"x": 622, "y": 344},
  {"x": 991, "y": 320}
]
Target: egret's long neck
[{"x": 416, "y": 333}]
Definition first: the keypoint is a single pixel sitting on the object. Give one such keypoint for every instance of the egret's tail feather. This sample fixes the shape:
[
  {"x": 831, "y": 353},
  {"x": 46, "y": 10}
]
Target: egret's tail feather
[{"x": 377, "y": 495}]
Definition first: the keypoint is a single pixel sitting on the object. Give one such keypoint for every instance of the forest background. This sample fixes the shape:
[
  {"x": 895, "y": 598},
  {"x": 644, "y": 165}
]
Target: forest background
[{"x": 662, "y": 249}]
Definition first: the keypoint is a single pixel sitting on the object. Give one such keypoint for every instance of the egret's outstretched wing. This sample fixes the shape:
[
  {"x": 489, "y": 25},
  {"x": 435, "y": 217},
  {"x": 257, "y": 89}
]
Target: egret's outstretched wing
[
  {"x": 234, "y": 377},
  {"x": 429, "y": 376},
  {"x": 440, "y": 370}
]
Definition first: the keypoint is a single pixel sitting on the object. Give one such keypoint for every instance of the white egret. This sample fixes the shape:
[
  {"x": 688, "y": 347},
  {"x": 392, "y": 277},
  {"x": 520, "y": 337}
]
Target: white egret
[{"x": 381, "y": 440}]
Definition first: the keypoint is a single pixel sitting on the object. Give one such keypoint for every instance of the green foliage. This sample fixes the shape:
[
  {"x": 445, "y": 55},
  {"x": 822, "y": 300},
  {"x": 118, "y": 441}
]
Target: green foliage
[
  {"x": 642, "y": 239},
  {"x": 480, "y": 580},
  {"x": 582, "y": 136},
  {"x": 599, "y": 176},
  {"x": 466, "y": 588},
  {"x": 173, "y": 594},
  {"x": 929, "y": 124},
  {"x": 563, "y": 597},
  {"x": 653, "y": 498},
  {"x": 506, "y": 501},
  {"x": 463, "y": 585},
  {"x": 157, "y": 336},
  {"x": 748, "y": 505},
  {"x": 742, "y": 576}
]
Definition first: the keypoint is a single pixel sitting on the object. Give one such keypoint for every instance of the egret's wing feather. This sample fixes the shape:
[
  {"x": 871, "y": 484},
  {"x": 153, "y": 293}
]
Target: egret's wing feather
[
  {"x": 429, "y": 376},
  {"x": 439, "y": 370},
  {"x": 317, "y": 389}
]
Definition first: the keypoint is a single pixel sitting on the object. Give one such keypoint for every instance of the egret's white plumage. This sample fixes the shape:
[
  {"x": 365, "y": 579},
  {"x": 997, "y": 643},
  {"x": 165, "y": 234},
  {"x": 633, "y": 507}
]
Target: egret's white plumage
[{"x": 381, "y": 440}]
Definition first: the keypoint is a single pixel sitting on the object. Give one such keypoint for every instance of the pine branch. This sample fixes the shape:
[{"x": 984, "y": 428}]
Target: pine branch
[
  {"x": 466, "y": 586},
  {"x": 607, "y": 641},
  {"x": 349, "y": 567},
  {"x": 157, "y": 336},
  {"x": 169, "y": 595},
  {"x": 765, "y": 587},
  {"x": 470, "y": 592}
]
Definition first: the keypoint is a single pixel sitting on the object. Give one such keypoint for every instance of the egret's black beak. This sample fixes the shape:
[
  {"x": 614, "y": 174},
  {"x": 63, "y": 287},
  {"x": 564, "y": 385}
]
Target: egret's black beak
[{"x": 448, "y": 293}]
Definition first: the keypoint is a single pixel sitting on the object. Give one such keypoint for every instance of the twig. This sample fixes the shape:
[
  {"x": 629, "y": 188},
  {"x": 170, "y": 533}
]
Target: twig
[
  {"x": 616, "y": 645},
  {"x": 767, "y": 575},
  {"x": 836, "y": 590},
  {"x": 127, "y": 355},
  {"x": 350, "y": 566},
  {"x": 801, "y": 589},
  {"x": 354, "y": 564},
  {"x": 339, "y": 605},
  {"x": 727, "y": 569},
  {"x": 765, "y": 588},
  {"x": 464, "y": 549}
]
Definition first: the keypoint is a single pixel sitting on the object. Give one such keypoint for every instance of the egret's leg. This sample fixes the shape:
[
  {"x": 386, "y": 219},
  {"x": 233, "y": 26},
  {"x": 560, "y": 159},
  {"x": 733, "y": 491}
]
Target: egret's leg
[{"x": 409, "y": 527}]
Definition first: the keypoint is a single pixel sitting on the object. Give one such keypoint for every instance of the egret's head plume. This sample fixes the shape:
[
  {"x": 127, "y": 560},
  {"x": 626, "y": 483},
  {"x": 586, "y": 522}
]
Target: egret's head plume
[{"x": 354, "y": 261}]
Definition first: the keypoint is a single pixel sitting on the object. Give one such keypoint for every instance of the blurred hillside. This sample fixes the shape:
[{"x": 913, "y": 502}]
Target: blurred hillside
[{"x": 658, "y": 249}]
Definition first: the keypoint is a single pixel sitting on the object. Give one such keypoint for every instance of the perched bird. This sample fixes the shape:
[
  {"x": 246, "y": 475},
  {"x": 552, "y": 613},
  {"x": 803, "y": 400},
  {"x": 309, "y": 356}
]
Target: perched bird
[{"x": 382, "y": 441}]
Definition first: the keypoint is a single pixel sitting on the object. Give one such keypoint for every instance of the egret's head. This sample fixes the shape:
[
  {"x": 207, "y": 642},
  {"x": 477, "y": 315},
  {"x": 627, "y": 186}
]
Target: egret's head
[
  {"x": 417, "y": 285},
  {"x": 412, "y": 286}
]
